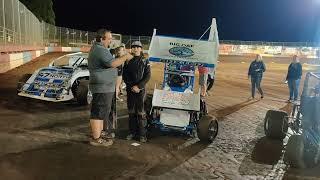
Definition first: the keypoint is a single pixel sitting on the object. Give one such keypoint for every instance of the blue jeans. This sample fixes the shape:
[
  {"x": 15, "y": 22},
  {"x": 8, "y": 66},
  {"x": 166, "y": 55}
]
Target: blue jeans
[
  {"x": 255, "y": 83},
  {"x": 294, "y": 88}
]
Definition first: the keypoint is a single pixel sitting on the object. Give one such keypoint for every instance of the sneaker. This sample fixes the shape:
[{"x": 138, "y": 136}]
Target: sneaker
[
  {"x": 295, "y": 101},
  {"x": 289, "y": 100},
  {"x": 130, "y": 137},
  {"x": 143, "y": 139},
  {"x": 106, "y": 135},
  {"x": 101, "y": 142},
  {"x": 251, "y": 98}
]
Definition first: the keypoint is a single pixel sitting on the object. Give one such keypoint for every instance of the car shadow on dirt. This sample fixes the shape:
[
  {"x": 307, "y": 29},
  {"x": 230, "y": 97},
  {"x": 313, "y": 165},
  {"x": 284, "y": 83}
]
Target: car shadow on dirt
[
  {"x": 23, "y": 104},
  {"x": 262, "y": 152},
  {"x": 65, "y": 161},
  {"x": 268, "y": 151},
  {"x": 297, "y": 174},
  {"x": 220, "y": 114}
]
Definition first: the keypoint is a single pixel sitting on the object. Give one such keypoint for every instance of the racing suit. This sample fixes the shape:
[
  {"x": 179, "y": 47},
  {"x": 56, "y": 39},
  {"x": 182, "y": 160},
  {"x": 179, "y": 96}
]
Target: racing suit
[{"x": 136, "y": 72}]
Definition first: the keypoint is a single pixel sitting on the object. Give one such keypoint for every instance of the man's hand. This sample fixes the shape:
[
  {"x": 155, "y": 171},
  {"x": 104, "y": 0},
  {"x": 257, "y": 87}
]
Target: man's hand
[
  {"x": 128, "y": 56},
  {"x": 135, "y": 89},
  {"x": 248, "y": 76}
]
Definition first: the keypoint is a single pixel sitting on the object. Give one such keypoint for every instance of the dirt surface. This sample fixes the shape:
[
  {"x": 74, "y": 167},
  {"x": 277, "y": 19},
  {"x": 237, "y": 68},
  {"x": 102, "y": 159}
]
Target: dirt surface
[{"x": 42, "y": 140}]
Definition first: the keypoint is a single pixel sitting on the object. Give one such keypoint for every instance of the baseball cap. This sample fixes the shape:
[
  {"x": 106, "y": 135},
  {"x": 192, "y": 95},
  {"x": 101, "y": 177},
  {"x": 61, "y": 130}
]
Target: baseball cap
[{"x": 136, "y": 43}]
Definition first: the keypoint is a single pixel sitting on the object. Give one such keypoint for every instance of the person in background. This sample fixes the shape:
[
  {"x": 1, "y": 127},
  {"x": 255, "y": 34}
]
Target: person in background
[
  {"x": 102, "y": 80},
  {"x": 293, "y": 78},
  {"x": 119, "y": 51},
  {"x": 136, "y": 74},
  {"x": 203, "y": 78},
  {"x": 256, "y": 70},
  {"x": 211, "y": 78}
]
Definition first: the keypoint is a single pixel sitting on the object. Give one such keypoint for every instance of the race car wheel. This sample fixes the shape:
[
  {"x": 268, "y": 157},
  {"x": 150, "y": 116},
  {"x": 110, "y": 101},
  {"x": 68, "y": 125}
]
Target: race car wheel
[
  {"x": 207, "y": 129},
  {"x": 22, "y": 81},
  {"x": 276, "y": 124},
  {"x": 83, "y": 95}
]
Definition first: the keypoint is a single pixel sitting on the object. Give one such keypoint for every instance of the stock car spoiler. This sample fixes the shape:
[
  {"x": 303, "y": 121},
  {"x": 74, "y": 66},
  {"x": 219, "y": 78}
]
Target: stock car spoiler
[{"x": 174, "y": 49}]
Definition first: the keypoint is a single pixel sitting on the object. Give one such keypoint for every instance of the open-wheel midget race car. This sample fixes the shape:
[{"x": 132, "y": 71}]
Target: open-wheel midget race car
[
  {"x": 66, "y": 78},
  {"x": 175, "y": 106},
  {"x": 302, "y": 126}
]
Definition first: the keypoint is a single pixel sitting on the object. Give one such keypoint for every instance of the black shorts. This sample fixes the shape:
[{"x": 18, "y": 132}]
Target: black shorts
[{"x": 101, "y": 106}]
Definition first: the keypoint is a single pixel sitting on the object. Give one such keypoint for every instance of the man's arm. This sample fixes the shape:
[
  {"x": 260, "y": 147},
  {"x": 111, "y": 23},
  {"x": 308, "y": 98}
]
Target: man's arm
[{"x": 120, "y": 60}]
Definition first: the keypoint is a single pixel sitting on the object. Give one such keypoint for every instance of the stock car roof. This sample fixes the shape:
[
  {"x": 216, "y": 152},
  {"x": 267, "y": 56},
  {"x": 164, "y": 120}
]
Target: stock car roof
[{"x": 70, "y": 59}]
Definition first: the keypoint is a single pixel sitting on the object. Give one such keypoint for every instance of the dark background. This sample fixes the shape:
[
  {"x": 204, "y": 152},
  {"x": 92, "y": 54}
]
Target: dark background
[{"x": 258, "y": 20}]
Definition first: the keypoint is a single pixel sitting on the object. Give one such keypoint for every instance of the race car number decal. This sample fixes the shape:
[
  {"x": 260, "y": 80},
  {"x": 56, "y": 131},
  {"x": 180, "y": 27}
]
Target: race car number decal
[{"x": 52, "y": 76}]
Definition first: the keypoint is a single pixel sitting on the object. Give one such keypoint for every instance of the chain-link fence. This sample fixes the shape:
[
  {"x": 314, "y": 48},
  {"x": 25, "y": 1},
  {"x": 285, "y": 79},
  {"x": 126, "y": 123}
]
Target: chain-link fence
[
  {"x": 60, "y": 36},
  {"x": 18, "y": 26},
  {"x": 21, "y": 30}
]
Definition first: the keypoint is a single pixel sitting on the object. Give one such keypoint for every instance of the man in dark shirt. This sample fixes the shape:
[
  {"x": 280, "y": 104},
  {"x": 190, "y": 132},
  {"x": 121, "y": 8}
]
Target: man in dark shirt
[
  {"x": 256, "y": 70},
  {"x": 136, "y": 74},
  {"x": 103, "y": 74}
]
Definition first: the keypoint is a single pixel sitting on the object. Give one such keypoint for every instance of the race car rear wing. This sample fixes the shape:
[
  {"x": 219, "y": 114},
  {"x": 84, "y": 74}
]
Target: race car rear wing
[{"x": 198, "y": 52}]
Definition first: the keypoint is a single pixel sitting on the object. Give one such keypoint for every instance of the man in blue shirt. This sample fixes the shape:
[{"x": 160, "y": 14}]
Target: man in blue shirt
[{"x": 103, "y": 76}]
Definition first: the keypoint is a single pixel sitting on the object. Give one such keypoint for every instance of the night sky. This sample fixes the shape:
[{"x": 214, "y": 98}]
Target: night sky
[{"x": 258, "y": 20}]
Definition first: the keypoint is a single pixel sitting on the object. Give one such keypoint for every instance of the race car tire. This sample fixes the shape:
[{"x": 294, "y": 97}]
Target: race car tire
[
  {"x": 207, "y": 129},
  {"x": 276, "y": 124},
  {"x": 82, "y": 93},
  {"x": 22, "y": 81}
]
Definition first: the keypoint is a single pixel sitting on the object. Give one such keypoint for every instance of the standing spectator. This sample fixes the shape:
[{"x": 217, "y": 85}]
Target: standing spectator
[
  {"x": 102, "y": 82},
  {"x": 293, "y": 77},
  {"x": 211, "y": 78},
  {"x": 203, "y": 78},
  {"x": 256, "y": 70},
  {"x": 120, "y": 51},
  {"x": 136, "y": 74}
]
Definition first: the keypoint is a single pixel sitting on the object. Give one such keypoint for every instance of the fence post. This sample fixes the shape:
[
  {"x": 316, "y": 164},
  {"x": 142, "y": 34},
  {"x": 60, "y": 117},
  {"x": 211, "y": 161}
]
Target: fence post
[
  {"x": 13, "y": 25},
  {"x": 4, "y": 25},
  {"x": 19, "y": 26},
  {"x": 25, "y": 24}
]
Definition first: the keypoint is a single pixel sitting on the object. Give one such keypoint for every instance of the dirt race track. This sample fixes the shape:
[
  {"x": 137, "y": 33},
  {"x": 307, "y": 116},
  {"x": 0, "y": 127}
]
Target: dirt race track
[{"x": 42, "y": 140}]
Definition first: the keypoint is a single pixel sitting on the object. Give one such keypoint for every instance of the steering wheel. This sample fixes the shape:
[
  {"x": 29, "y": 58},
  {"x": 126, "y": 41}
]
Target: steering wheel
[{"x": 177, "y": 80}]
